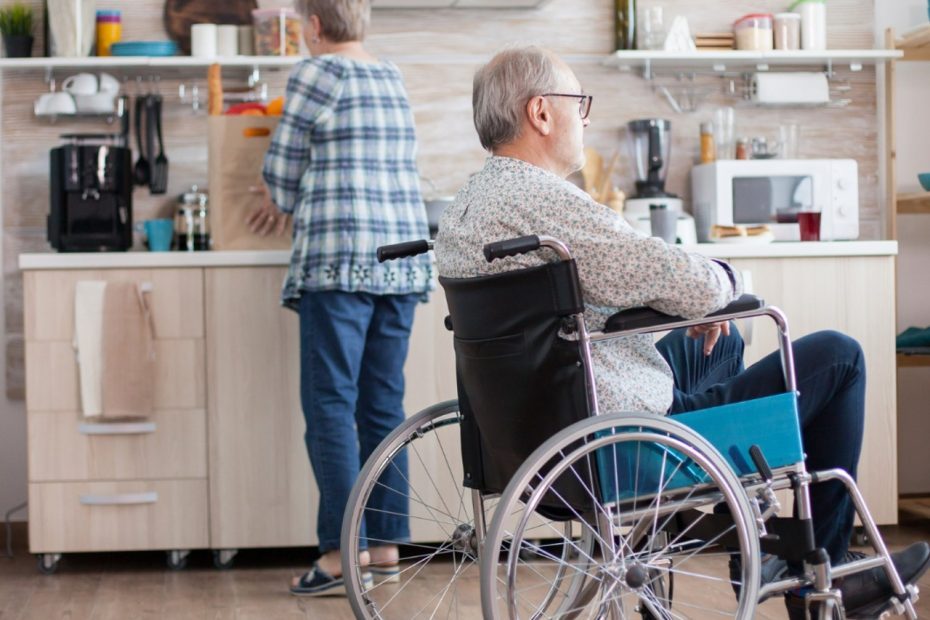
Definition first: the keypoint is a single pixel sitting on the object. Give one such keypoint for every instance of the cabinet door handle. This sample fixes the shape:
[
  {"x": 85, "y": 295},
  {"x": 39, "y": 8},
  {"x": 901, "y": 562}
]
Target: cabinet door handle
[
  {"x": 116, "y": 428},
  {"x": 123, "y": 499}
]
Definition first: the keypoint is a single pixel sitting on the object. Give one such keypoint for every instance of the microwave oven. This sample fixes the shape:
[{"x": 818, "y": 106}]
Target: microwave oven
[{"x": 754, "y": 192}]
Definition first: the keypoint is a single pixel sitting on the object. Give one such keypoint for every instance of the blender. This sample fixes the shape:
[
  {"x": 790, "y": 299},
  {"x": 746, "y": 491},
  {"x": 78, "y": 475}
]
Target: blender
[{"x": 651, "y": 144}]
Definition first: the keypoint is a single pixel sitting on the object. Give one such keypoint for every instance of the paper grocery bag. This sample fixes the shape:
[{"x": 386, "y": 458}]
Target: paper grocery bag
[{"x": 236, "y": 151}]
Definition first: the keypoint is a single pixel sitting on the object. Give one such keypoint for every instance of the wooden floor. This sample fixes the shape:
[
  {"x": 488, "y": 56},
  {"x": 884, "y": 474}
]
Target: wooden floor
[{"x": 137, "y": 585}]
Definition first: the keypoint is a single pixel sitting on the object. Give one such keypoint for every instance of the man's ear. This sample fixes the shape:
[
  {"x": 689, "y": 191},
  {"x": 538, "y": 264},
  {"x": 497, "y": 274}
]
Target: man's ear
[{"x": 539, "y": 115}]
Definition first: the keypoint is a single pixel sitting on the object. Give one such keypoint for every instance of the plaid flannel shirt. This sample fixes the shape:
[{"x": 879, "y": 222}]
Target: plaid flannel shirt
[{"x": 343, "y": 162}]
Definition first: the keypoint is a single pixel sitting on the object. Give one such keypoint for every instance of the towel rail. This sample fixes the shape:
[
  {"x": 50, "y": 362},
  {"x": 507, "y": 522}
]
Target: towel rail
[
  {"x": 116, "y": 428},
  {"x": 123, "y": 499}
]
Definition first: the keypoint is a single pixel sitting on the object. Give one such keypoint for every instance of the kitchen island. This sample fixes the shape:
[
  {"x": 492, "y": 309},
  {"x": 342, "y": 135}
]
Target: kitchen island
[{"x": 224, "y": 457}]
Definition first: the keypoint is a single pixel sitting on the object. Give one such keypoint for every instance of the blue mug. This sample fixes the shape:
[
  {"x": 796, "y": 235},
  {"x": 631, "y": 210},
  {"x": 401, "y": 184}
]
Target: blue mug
[{"x": 159, "y": 233}]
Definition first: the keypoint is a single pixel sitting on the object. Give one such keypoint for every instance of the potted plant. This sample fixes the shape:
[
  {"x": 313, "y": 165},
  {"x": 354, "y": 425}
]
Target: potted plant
[{"x": 16, "y": 24}]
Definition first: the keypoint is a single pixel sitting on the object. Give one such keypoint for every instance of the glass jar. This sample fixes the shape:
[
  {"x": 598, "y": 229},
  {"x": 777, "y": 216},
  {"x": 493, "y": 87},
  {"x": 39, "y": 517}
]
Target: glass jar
[
  {"x": 192, "y": 223},
  {"x": 754, "y": 32},
  {"x": 787, "y": 31},
  {"x": 742, "y": 148},
  {"x": 109, "y": 31},
  {"x": 813, "y": 23}
]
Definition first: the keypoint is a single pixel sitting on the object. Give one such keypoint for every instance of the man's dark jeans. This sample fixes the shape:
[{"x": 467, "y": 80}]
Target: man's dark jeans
[{"x": 830, "y": 370}]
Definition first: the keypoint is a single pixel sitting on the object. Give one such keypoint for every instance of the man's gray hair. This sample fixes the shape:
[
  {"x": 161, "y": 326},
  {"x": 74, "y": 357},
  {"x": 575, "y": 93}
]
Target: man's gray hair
[
  {"x": 341, "y": 20},
  {"x": 504, "y": 86}
]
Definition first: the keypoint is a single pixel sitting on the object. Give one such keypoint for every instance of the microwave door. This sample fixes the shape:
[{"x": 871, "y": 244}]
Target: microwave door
[{"x": 771, "y": 199}]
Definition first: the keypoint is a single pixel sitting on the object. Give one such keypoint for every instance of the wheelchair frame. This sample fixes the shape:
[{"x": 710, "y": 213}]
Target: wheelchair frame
[{"x": 753, "y": 496}]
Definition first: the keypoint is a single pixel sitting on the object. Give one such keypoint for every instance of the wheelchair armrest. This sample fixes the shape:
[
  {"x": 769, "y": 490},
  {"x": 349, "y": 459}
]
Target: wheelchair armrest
[{"x": 638, "y": 318}]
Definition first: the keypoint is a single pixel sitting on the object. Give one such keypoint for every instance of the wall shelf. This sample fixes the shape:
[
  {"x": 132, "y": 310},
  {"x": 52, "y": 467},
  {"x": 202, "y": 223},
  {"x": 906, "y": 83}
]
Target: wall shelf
[
  {"x": 915, "y": 44},
  {"x": 918, "y": 203},
  {"x": 729, "y": 60},
  {"x": 138, "y": 62}
]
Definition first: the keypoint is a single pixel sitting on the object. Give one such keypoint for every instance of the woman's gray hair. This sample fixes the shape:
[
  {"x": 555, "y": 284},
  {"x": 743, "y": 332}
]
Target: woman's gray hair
[
  {"x": 504, "y": 86},
  {"x": 341, "y": 20}
]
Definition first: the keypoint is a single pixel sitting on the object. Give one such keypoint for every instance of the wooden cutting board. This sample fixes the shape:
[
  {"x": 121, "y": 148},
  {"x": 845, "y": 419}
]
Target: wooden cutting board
[{"x": 181, "y": 14}]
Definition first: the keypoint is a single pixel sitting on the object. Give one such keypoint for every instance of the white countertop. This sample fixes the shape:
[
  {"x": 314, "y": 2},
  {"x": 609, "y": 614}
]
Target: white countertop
[{"x": 264, "y": 258}]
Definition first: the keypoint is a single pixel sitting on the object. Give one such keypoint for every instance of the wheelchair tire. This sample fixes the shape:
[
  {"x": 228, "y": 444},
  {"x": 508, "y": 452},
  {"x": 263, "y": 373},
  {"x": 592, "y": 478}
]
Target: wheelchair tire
[
  {"x": 647, "y": 527},
  {"x": 433, "y": 579}
]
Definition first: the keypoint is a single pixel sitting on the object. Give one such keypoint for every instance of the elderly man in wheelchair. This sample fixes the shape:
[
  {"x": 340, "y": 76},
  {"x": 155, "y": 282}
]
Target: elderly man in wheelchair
[{"x": 620, "y": 476}]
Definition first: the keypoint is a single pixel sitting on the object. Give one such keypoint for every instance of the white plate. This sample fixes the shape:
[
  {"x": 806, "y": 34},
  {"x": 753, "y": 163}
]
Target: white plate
[{"x": 766, "y": 237}]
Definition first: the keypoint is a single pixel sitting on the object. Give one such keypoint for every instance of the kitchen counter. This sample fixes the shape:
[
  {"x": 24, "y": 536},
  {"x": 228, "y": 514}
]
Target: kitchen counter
[{"x": 135, "y": 260}]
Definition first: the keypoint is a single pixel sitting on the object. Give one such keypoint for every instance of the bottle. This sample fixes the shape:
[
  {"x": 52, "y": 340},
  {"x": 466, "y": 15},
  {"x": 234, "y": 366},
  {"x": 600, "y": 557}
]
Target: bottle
[
  {"x": 742, "y": 148},
  {"x": 708, "y": 153},
  {"x": 625, "y": 24},
  {"x": 109, "y": 31}
]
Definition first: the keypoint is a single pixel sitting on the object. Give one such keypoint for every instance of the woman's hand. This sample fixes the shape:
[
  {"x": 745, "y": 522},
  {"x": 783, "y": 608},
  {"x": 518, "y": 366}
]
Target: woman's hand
[
  {"x": 266, "y": 218},
  {"x": 711, "y": 333}
]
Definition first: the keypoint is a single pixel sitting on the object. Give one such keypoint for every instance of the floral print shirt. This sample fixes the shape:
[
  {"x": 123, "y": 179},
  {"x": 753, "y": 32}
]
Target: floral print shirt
[{"x": 619, "y": 268}]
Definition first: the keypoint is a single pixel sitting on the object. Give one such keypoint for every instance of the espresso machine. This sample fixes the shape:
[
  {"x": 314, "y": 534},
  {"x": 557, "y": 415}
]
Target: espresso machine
[
  {"x": 651, "y": 144},
  {"x": 90, "y": 180}
]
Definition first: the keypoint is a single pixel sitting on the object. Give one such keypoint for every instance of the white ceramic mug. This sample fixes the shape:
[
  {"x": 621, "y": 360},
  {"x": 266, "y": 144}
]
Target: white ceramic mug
[
  {"x": 98, "y": 103},
  {"x": 108, "y": 84},
  {"x": 54, "y": 103},
  {"x": 203, "y": 40},
  {"x": 80, "y": 84},
  {"x": 227, "y": 40}
]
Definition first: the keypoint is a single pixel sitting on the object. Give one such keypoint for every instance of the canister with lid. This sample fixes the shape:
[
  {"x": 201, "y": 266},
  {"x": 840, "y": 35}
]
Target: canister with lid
[{"x": 192, "y": 223}]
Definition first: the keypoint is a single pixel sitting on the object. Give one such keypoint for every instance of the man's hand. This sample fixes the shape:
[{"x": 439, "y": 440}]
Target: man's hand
[
  {"x": 266, "y": 218},
  {"x": 711, "y": 333}
]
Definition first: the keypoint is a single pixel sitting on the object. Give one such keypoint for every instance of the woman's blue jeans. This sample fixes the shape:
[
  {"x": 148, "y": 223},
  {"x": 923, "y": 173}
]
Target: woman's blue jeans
[
  {"x": 352, "y": 352},
  {"x": 830, "y": 370}
]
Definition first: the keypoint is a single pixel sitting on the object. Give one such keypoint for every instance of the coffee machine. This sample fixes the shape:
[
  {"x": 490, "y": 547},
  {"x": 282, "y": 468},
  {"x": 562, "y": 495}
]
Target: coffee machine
[
  {"x": 651, "y": 145},
  {"x": 90, "y": 197},
  {"x": 91, "y": 194}
]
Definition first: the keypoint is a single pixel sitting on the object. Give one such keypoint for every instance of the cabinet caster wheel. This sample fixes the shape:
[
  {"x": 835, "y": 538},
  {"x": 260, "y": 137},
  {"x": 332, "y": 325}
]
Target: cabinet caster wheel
[
  {"x": 48, "y": 563},
  {"x": 176, "y": 560},
  {"x": 223, "y": 558}
]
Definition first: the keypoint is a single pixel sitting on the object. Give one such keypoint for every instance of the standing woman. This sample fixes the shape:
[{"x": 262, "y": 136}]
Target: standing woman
[{"x": 343, "y": 164}]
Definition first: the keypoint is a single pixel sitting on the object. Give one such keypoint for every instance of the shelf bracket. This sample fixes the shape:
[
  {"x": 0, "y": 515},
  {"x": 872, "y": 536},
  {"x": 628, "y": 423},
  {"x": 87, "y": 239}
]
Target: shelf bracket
[
  {"x": 647, "y": 70},
  {"x": 49, "y": 75},
  {"x": 255, "y": 76}
]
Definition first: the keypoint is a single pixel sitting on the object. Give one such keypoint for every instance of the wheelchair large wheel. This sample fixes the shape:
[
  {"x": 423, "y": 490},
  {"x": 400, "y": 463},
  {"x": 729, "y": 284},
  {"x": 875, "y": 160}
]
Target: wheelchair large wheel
[
  {"x": 675, "y": 533},
  {"x": 436, "y": 578}
]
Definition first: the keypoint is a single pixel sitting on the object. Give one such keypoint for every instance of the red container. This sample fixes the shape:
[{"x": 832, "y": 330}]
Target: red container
[{"x": 809, "y": 222}]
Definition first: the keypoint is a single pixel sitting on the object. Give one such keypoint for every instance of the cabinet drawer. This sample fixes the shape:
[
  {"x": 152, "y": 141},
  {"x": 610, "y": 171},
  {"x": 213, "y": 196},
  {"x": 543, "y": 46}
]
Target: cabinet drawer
[
  {"x": 171, "y": 444},
  {"x": 176, "y": 299},
  {"x": 117, "y": 516},
  {"x": 52, "y": 376}
]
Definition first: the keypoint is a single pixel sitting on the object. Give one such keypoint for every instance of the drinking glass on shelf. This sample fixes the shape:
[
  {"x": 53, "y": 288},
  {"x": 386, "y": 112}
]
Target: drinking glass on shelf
[
  {"x": 809, "y": 223},
  {"x": 789, "y": 136},
  {"x": 651, "y": 32},
  {"x": 724, "y": 132}
]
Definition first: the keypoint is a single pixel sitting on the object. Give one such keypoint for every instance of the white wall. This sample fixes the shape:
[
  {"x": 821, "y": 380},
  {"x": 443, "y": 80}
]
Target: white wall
[{"x": 912, "y": 92}]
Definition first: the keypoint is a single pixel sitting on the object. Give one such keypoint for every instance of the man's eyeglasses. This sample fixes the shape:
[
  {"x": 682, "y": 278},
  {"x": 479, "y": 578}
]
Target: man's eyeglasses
[{"x": 584, "y": 102}]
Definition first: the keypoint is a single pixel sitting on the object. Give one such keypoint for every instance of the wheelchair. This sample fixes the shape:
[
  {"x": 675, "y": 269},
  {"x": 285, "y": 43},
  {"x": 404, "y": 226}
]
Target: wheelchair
[{"x": 564, "y": 511}]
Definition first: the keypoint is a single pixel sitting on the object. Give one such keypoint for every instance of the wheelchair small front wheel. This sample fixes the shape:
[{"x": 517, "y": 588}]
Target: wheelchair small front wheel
[{"x": 662, "y": 507}]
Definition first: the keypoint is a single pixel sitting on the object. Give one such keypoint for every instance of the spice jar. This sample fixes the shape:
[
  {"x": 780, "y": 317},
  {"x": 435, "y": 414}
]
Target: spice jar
[
  {"x": 708, "y": 153},
  {"x": 109, "y": 31},
  {"x": 192, "y": 223},
  {"x": 742, "y": 148}
]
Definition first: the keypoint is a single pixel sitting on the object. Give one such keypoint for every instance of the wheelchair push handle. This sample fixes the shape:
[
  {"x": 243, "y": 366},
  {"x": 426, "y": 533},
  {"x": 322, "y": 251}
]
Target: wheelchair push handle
[
  {"x": 404, "y": 250},
  {"x": 511, "y": 247}
]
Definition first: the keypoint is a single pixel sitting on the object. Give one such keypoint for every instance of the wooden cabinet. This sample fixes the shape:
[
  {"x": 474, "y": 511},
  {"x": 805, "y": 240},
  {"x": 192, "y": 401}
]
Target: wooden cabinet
[
  {"x": 262, "y": 492},
  {"x": 222, "y": 461},
  {"x": 116, "y": 486},
  {"x": 853, "y": 295}
]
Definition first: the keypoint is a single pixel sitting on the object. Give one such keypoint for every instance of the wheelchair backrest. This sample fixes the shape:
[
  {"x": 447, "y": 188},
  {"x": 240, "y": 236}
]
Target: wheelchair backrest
[{"x": 519, "y": 382}]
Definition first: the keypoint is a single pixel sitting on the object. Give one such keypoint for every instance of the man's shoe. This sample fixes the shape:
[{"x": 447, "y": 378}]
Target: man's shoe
[
  {"x": 867, "y": 594},
  {"x": 773, "y": 569}
]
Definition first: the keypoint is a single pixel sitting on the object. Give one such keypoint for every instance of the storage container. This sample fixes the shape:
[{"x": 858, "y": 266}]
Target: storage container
[
  {"x": 813, "y": 23},
  {"x": 109, "y": 31},
  {"x": 277, "y": 32},
  {"x": 787, "y": 31},
  {"x": 754, "y": 32}
]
